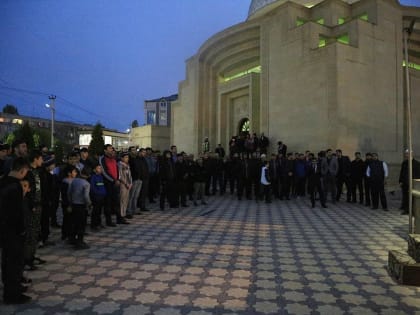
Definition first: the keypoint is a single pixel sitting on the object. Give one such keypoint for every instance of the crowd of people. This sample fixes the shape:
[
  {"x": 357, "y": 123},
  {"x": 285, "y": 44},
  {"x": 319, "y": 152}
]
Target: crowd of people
[{"x": 108, "y": 190}]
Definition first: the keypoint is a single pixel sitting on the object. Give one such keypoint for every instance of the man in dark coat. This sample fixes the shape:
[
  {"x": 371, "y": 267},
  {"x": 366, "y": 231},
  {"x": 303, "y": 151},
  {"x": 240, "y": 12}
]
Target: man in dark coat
[
  {"x": 12, "y": 232},
  {"x": 377, "y": 171},
  {"x": 343, "y": 175},
  {"x": 404, "y": 180},
  {"x": 357, "y": 173}
]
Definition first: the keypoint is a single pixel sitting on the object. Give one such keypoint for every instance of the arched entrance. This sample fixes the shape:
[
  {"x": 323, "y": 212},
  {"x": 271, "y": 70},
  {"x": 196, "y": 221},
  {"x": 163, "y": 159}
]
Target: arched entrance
[{"x": 243, "y": 127}]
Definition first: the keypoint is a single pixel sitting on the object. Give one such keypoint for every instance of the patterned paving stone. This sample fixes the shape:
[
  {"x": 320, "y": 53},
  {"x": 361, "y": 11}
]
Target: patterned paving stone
[{"x": 242, "y": 258}]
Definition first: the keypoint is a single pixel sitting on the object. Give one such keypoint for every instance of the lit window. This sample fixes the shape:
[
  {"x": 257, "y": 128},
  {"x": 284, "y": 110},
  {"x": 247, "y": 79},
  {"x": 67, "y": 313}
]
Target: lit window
[
  {"x": 364, "y": 17},
  {"x": 300, "y": 22},
  {"x": 344, "y": 39},
  {"x": 412, "y": 65},
  {"x": 256, "y": 69},
  {"x": 245, "y": 126},
  {"x": 322, "y": 41}
]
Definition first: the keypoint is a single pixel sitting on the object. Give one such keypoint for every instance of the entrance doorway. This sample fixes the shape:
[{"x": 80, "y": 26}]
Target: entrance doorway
[{"x": 243, "y": 128}]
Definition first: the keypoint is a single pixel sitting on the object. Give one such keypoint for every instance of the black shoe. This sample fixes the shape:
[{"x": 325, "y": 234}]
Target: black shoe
[
  {"x": 385, "y": 209},
  {"x": 374, "y": 208},
  {"x": 80, "y": 246},
  {"x": 122, "y": 221},
  {"x": 102, "y": 226},
  {"x": 403, "y": 212},
  {"x": 21, "y": 299},
  {"x": 111, "y": 224},
  {"x": 203, "y": 203},
  {"x": 128, "y": 216},
  {"x": 25, "y": 281},
  {"x": 185, "y": 206},
  {"x": 152, "y": 201},
  {"x": 39, "y": 261},
  {"x": 55, "y": 225},
  {"x": 144, "y": 210},
  {"x": 324, "y": 206},
  {"x": 30, "y": 267},
  {"x": 95, "y": 228}
]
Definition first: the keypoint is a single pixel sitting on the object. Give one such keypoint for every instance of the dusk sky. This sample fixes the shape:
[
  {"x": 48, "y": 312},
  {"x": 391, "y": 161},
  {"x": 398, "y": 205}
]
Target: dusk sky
[{"x": 102, "y": 58}]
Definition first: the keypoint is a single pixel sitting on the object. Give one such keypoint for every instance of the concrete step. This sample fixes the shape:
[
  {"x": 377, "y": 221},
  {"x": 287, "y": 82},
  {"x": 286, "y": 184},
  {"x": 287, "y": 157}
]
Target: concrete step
[
  {"x": 414, "y": 246},
  {"x": 403, "y": 268}
]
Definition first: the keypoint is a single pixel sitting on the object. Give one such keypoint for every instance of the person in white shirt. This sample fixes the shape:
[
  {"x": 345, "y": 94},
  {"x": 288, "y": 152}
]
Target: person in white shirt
[{"x": 377, "y": 172}]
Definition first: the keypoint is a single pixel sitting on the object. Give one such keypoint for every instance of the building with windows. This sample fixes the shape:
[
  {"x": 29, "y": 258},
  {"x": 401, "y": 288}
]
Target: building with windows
[
  {"x": 158, "y": 111},
  {"x": 313, "y": 74},
  {"x": 69, "y": 134}
]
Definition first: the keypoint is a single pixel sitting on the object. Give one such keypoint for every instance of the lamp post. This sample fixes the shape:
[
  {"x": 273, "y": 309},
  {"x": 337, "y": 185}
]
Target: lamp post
[
  {"x": 407, "y": 32},
  {"x": 52, "y": 108}
]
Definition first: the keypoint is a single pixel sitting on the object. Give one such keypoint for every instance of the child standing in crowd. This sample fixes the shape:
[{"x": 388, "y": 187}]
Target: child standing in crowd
[
  {"x": 98, "y": 193},
  {"x": 78, "y": 195},
  {"x": 125, "y": 186},
  {"x": 200, "y": 177},
  {"x": 266, "y": 182},
  {"x": 70, "y": 172}
]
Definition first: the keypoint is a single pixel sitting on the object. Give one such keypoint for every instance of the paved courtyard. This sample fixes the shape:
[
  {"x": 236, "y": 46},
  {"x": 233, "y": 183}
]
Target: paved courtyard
[{"x": 230, "y": 257}]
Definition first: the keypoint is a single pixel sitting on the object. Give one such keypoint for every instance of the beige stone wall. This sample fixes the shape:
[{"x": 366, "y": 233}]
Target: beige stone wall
[
  {"x": 156, "y": 137},
  {"x": 185, "y": 111}
]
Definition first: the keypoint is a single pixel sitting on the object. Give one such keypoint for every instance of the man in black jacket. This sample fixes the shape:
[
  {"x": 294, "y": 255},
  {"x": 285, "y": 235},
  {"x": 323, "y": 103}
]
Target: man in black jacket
[
  {"x": 12, "y": 232},
  {"x": 343, "y": 175},
  {"x": 404, "y": 180},
  {"x": 358, "y": 171}
]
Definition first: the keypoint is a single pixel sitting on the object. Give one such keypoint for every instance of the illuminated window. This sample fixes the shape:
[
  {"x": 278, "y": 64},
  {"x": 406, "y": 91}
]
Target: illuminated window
[
  {"x": 364, "y": 17},
  {"x": 322, "y": 41},
  {"x": 411, "y": 65},
  {"x": 245, "y": 126},
  {"x": 300, "y": 22},
  {"x": 344, "y": 39},
  {"x": 256, "y": 69},
  {"x": 151, "y": 118},
  {"x": 341, "y": 21},
  {"x": 320, "y": 21}
]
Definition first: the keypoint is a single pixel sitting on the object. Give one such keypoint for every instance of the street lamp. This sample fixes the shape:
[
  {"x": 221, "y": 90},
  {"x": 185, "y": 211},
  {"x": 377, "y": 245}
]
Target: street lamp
[
  {"x": 52, "y": 108},
  {"x": 406, "y": 34}
]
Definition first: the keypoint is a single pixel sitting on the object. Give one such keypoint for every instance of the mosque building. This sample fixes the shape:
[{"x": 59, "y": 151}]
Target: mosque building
[{"x": 314, "y": 74}]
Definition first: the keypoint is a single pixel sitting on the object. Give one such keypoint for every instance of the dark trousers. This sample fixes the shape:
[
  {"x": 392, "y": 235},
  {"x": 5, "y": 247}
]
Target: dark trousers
[
  {"x": 66, "y": 227},
  {"x": 378, "y": 192},
  {"x": 45, "y": 222},
  {"x": 405, "y": 197},
  {"x": 346, "y": 181},
  {"x": 315, "y": 187},
  {"x": 12, "y": 266},
  {"x": 357, "y": 185},
  {"x": 167, "y": 191},
  {"x": 286, "y": 185},
  {"x": 112, "y": 201},
  {"x": 153, "y": 187},
  {"x": 79, "y": 222},
  {"x": 98, "y": 204},
  {"x": 300, "y": 186},
  {"x": 144, "y": 193},
  {"x": 266, "y": 190},
  {"x": 367, "y": 191},
  {"x": 181, "y": 193}
]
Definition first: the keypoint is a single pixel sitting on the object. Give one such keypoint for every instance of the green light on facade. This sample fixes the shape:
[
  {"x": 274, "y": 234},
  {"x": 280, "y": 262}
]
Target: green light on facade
[
  {"x": 322, "y": 41},
  {"x": 344, "y": 39},
  {"x": 341, "y": 21},
  {"x": 364, "y": 17},
  {"x": 245, "y": 126},
  {"x": 256, "y": 69},
  {"x": 320, "y": 21},
  {"x": 412, "y": 65},
  {"x": 300, "y": 22}
]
